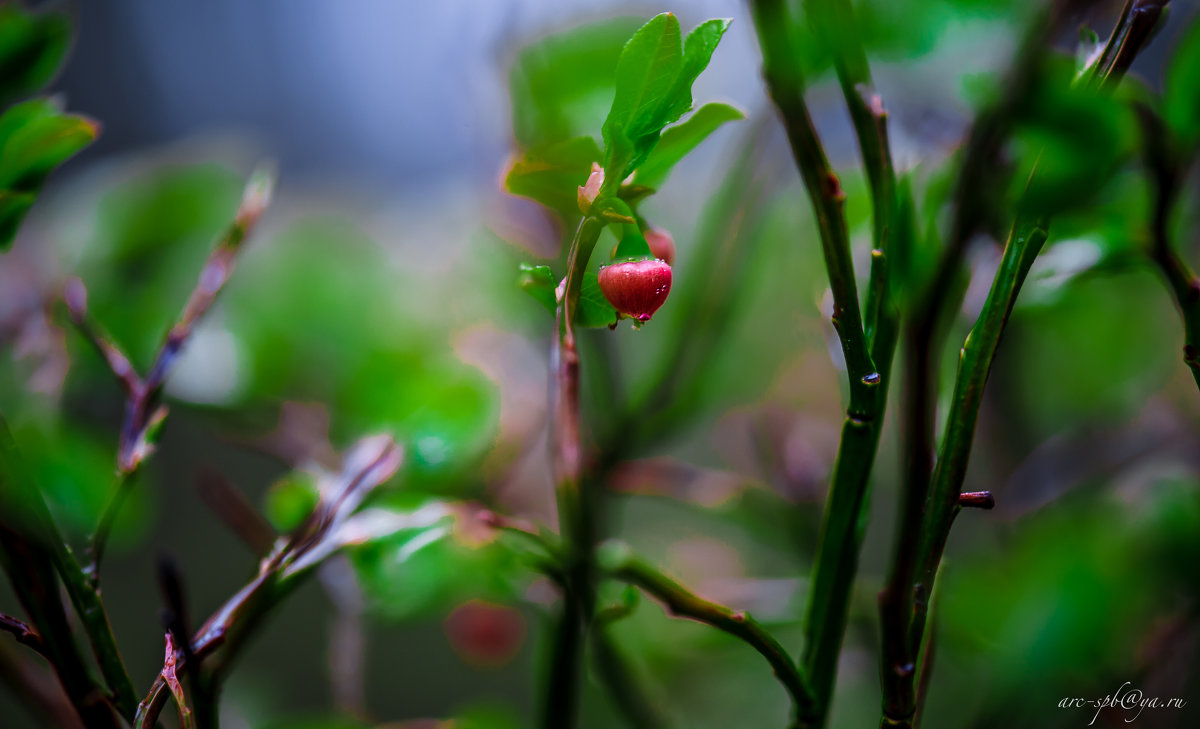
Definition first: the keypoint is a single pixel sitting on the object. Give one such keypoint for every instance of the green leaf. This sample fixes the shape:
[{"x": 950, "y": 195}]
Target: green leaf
[
  {"x": 1182, "y": 88},
  {"x": 697, "y": 52},
  {"x": 552, "y": 173},
  {"x": 679, "y": 140},
  {"x": 32, "y": 47},
  {"x": 538, "y": 282},
  {"x": 647, "y": 70},
  {"x": 594, "y": 309},
  {"x": 35, "y": 138}
]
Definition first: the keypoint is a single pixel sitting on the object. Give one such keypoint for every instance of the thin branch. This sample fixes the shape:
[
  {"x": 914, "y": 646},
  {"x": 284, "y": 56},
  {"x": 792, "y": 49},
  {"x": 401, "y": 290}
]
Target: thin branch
[
  {"x": 618, "y": 562},
  {"x": 371, "y": 462},
  {"x": 574, "y": 493},
  {"x": 144, "y": 414},
  {"x": 24, "y": 634},
  {"x": 1167, "y": 171}
]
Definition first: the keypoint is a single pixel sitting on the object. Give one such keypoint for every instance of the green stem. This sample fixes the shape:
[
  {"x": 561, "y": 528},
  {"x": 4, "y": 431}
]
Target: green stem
[
  {"x": 786, "y": 87},
  {"x": 620, "y": 564},
  {"x": 49, "y": 547},
  {"x": 614, "y": 671},
  {"x": 847, "y": 507},
  {"x": 576, "y": 513}
]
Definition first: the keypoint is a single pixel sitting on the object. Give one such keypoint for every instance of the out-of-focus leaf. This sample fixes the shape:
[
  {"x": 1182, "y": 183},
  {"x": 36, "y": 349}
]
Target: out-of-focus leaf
[
  {"x": 562, "y": 84},
  {"x": 901, "y": 29},
  {"x": 320, "y": 315},
  {"x": 32, "y": 47},
  {"x": 74, "y": 469},
  {"x": 679, "y": 140},
  {"x": 1037, "y": 598},
  {"x": 488, "y": 717},
  {"x": 538, "y": 282},
  {"x": 1071, "y": 142},
  {"x": 552, "y": 173},
  {"x": 427, "y": 570},
  {"x": 290, "y": 500},
  {"x": 1182, "y": 88},
  {"x": 142, "y": 253},
  {"x": 1091, "y": 356},
  {"x": 35, "y": 138}
]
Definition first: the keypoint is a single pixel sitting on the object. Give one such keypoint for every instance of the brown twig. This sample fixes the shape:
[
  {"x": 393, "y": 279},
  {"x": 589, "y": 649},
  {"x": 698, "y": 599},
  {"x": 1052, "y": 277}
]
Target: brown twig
[
  {"x": 144, "y": 412},
  {"x": 24, "y": 634}
]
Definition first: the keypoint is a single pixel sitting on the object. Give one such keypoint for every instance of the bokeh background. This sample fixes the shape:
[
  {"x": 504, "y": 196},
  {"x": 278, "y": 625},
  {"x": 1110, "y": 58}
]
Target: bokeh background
[{"x": 380, "y": 294}]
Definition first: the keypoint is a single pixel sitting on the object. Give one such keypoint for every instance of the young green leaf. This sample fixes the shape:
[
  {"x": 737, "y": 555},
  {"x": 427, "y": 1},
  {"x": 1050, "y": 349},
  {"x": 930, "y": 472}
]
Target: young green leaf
[
  {"x": 594, "y": 309},
  {"x": 646, "y": 71},
  {"x": 551, "y": 173},
  {"x": 32, "y": 47},
  {"x": 679, "y": 140},
  {"x": 697, "y": 52}
]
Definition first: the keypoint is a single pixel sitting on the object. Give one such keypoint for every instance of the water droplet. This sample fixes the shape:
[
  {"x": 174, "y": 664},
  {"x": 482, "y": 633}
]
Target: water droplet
[{"x": 871, "y": 378}]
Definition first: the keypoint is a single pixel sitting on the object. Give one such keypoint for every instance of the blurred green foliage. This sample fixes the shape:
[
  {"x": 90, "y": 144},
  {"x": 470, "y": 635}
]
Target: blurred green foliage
[{"x": 1035, "y": 606}]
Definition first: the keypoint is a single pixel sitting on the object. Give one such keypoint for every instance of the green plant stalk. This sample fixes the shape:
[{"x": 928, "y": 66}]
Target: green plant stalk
[
  {"x": 848, "y": 505},
  {"x": 680, "y": 601},
  {"x": 48, "y": 544},
  {"x": 614, "y": 671},
  {"x": 574, "y": 493},
  {"x": 32, "y": 577},
  {"x": 931, "y": 496},
  {"x": 786, "y": 88}
]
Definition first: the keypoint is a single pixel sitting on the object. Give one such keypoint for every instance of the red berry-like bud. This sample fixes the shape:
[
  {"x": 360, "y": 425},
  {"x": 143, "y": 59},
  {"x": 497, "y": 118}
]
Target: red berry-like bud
[
  {"x": 662, "y": 245},
  {"x": 485, "y": 634},
  {"x": 636, "y": 288}
]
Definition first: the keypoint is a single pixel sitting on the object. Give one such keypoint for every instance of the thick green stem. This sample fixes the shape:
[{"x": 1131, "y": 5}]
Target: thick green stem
[
  {"x": 786, "y": 87},
  {"x": 847, "y": 506}
]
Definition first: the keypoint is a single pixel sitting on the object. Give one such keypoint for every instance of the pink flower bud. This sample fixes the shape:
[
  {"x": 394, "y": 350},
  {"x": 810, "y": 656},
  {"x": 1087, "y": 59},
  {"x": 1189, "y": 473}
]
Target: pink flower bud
[
  {"x": 662, "y": 245},
  {"x": 587, "y": 194},
  {"x": 636, "y": 289}
]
